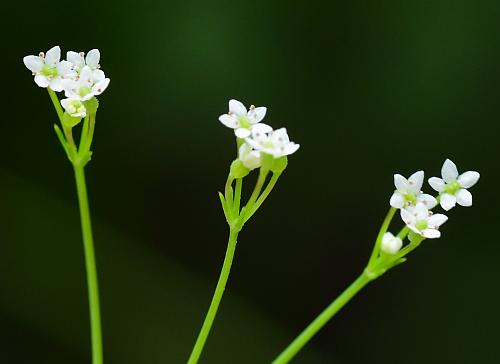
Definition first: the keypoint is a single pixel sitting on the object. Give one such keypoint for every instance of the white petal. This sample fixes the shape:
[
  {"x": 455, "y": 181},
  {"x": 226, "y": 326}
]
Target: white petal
[
  {"x": 436, "y": 183},
  {"x": 229, "y": 121},
  {"x": 65, "y": 103},
  {"x": 42, "y": 81},
  {"x": 33, "y": 63},
  {"x": 257, "y": 114},
  {"x": 280, "y": 136},
  {"x": 400, "y": 182},
  {"x": 75, "y": 58},
  {"x": 468, "y": 179},
  {"x": 449, "y": 171},
  {"x": 237, "y": 108},
  {"x": 407, "y": 217},
  {"x": 416, "y": 181},
  {"x": 259, "y": 131},
  {"x": 64, "y": 68},
  {"x": 93, "y": 58},
  {"x": 421, "y": 211},
  {"x": 429, "y": 201},
  {"x": 464, "y": 197},
  {"x": 242, "y": 132},
  {"x": 291, "y": 148},
  {"x": 263, "y": 128},
  {"x": 431, "y": 233},
  {"x": 447, "y": 201},
  {"x": 437, "y": 220},
  {"x": 86, "y": 75},
  {"x": 397, "y": 200},
  {"x": 99, "y": 88},
  {"x": 98, "y": 76},
  {"x": 56, "y": 84},
  {"x": 253, "y": 143},
  {"x": 53, "y": 56},
  {"x": 69, "y": 87}
]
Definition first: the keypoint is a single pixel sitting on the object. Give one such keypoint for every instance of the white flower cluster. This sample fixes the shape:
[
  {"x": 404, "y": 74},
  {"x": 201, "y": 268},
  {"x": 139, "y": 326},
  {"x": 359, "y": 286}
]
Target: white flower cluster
[
  {"x": 258, "y": 137},
  {"x": 80, "y": 76},
  {"x": 415, "y": 206}
]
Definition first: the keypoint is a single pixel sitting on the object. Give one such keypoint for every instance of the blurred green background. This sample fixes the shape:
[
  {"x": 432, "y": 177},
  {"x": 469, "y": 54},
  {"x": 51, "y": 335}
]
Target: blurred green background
[{"x": 367, "y": 88}]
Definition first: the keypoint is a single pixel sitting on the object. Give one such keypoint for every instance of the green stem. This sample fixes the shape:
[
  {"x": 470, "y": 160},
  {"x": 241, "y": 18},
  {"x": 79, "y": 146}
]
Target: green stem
[
  {"x": 256, "y": 192},
  {"x": 214, "y": 305},
  {"x": 237, "y": 196},
  {"x": 383, "y": 230},
  {"x": 321, "y": 320},
  {"x": 263, "y": 196},
  {"x": 88, "y": 244},
  {"x": 57, "y": 104},
  {"x": 228, "y": 191}
]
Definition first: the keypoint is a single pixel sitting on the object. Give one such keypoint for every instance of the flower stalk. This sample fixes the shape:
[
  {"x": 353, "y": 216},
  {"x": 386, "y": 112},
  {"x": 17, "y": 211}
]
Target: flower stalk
[
  {"x": 259, "y": 147},
  {"x": 79, "y": 157}
]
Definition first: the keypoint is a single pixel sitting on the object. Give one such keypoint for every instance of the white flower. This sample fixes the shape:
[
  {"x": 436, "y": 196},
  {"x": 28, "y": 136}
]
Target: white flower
[
  {"x": 79, "y": 60},
  {"x": 48, "y": 70},
  {"x": 87, "y": 85},
  {"x": 271, "y": 142},
  {"x": 74, "y": 107},
  {"x": 453, "y": 187},
  {"x": 391, "y": 244},
  {"x": 249, "y": 157},
  {"x": 419, "y": 219},
  {"x": 408, "y": 191},
  {"x": 241, "y": 120}
]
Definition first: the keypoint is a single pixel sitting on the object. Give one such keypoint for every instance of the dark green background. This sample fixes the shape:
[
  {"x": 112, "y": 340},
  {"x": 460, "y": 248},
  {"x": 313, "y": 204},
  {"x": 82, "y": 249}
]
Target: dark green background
[{"x": 367, "y": 88}]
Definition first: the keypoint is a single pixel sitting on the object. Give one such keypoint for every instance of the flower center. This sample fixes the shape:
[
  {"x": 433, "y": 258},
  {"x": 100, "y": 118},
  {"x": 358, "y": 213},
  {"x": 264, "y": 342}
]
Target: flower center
[
  {"x": 244, "y": 122},
  {"x": 49, "y": 71},
  {"x": 452, "y": 187},
  {"x": 410, "y": 197},
  {"x": 84, "y": 91},
  {"x": 421, "y": 224}
]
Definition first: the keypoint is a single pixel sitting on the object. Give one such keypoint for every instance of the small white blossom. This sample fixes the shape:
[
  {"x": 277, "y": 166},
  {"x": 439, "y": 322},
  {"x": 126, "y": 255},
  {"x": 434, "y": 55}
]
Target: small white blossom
[
  {"x": 420, "y": 220},
  {"x": 80, "y": 60},
  {"x": 271, "y": 142},
  {"x": 249, "y": 157},
  {"x": 408, "y": 191},
  {"x": 87, "y": 85},
  {"x": 74, "y": 107},
  {"x": 48, "y": 70},
  {"x": 243, "y": 121},
  {"x": 453, "y": 187},
  {"x": 391, "y": 244}
]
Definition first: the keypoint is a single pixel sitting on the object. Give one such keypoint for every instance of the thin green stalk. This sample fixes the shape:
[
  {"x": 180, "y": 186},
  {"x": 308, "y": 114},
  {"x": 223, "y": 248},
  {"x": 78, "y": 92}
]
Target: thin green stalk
[
  {"x": 57, "y": 104},
  {"x": 214, "y": 305},
  {"x": 253, "y": 197},
  {"x": 237, "y": 196},
  {"x": 88, "y": 244},
  {"x": 383, "y": 230},
  {"x": 263, "y": 196},
  {"x": 321, "y": 320}
]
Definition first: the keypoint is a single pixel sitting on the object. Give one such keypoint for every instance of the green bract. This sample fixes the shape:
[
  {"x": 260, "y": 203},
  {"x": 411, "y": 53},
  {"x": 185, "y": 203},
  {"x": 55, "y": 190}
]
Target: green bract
[
  {"x": 238, "y": 170},
  {"x": 275, "y": 165}
]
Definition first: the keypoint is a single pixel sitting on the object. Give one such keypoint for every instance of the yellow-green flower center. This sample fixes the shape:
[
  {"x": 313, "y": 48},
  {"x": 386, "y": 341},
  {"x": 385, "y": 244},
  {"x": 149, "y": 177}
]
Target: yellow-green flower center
[
  {"x": 49, "y": 71},
  {"x": 410, "y": 197},
  {"x": 244, "y": 122},
  {"x": 84, "y": 91},
  {"x": 421, "y": 224},
  {"x": 452, "y": 187}
]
